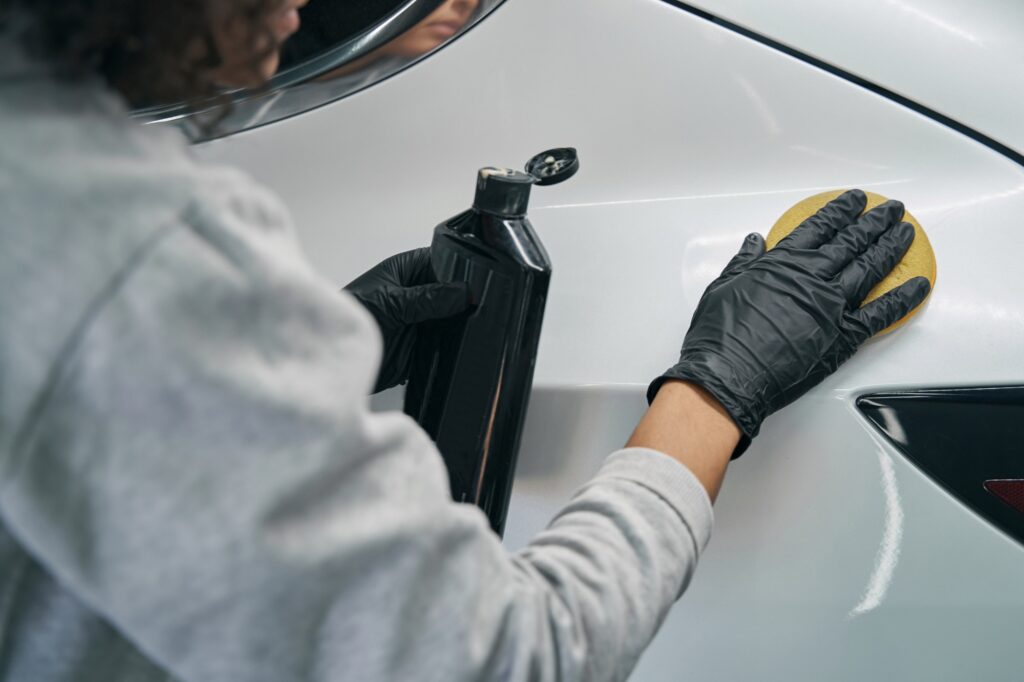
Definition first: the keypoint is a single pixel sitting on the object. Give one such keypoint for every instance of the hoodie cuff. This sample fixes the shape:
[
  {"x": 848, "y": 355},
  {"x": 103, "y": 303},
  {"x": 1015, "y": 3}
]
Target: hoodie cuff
[{"x": 670, "y": 480}]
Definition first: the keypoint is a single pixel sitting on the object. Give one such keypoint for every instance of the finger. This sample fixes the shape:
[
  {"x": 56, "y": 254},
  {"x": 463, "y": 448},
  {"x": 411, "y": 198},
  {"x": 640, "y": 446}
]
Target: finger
[
  {"x": 430, "y": 302},
  {"x": 853, "y": 240},
  {"x": 410, "y": 268},
  {"x": 872, "y": 266},
  {"x": 751, "y": 249},
  {"x": 890, "y": 308},
  {"x": 823, "y": 225}
]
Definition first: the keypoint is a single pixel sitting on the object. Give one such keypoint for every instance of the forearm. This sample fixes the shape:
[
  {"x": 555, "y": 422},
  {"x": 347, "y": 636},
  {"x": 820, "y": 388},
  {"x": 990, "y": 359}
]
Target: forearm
[
  {"x": 686, "y": 423},
  {"x": 604, "y": 574}
]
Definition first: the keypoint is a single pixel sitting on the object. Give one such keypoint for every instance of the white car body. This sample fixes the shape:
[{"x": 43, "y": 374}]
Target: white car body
[
  {"x": 833, "y": 556},
  {"x": 964, "y": 60}
]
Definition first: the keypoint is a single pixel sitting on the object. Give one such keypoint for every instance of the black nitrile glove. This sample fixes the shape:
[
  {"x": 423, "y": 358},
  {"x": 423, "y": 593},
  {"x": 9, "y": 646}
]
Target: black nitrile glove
[
  {"x": 773, "y": 325},
  {"x": 401, "y": 293}
]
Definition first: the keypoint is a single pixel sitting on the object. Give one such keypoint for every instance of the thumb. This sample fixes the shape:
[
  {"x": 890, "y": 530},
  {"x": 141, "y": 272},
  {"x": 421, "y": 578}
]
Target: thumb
[
  {"x": 751, "y": 249},
  {"x": 412, "y": 305},
  {"x": 410, "y": 268}
]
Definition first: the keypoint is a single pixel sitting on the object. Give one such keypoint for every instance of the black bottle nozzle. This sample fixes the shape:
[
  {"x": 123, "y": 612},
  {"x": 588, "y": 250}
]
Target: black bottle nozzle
[
  {"x": 502, "y": 191},
  {"x": 506, "y": 192}
]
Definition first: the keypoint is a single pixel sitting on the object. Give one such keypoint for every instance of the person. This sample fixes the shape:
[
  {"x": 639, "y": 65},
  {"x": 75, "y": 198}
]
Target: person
[{"x": 193, "y": 487}]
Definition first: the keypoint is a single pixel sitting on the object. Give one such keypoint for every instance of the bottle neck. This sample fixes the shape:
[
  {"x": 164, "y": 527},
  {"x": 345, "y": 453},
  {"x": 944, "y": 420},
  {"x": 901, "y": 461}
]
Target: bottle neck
[{"x": 502, "y": 192}]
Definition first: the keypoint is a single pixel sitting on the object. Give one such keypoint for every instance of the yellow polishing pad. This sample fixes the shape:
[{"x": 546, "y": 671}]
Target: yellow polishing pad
[{"x": 919, "y": 261}]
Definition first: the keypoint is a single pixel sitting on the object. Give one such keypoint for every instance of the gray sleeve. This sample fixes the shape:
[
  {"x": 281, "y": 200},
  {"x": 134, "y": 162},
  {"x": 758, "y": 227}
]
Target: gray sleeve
[{"x": 205, "y": 474}]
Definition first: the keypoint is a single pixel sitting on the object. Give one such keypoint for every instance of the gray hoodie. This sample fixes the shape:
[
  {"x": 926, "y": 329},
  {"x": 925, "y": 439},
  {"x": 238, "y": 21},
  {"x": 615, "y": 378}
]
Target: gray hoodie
[{"x": 192, "y": 485}]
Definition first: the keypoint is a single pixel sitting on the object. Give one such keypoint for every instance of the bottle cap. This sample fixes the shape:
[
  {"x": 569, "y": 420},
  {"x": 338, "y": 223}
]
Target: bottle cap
[
  {"x": 554, "y": 166},
  {"x": 506, "y": 192}
]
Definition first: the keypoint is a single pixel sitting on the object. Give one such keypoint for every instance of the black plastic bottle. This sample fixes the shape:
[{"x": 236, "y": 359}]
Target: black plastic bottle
[{"x": 473, "y": 374}]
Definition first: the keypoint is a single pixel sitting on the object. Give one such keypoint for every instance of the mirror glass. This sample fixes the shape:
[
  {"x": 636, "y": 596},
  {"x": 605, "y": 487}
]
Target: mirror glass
[{"x": 341, "y": 48}]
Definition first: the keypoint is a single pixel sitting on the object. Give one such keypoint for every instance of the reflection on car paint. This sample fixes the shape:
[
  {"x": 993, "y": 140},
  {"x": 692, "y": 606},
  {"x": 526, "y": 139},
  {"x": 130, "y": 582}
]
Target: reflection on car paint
[{"x": 892, "y": 538}]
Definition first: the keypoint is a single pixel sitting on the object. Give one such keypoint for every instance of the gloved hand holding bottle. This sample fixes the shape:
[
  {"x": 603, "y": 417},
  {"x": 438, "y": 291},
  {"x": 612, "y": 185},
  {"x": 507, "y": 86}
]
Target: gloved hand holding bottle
[{"x": 401, "y": 293}]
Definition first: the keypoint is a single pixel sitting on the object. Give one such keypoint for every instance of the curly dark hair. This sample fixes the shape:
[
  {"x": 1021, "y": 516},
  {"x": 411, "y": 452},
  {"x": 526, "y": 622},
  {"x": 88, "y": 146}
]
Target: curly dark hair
[{"x": 151, "y": 51}]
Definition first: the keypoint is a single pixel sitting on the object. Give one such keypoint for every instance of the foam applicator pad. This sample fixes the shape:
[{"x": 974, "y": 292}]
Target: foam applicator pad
[{"x": 919, "y": 261}]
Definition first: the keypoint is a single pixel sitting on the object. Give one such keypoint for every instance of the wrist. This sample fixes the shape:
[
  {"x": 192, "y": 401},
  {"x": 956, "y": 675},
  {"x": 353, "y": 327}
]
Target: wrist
[
  {"x": 710, "y": 374},
  {"x": 700, "y": 406}
]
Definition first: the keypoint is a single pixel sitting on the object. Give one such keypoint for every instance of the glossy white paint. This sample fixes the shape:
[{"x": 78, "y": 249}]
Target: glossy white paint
[
  {"x": 963, "y": 59},
  {"x": 833, "y": 557}
]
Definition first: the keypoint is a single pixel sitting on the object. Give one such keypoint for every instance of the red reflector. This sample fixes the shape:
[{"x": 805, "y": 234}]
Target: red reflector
[{"x": 1010, "y": 491}]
